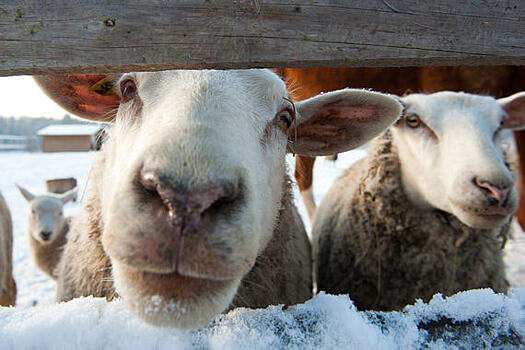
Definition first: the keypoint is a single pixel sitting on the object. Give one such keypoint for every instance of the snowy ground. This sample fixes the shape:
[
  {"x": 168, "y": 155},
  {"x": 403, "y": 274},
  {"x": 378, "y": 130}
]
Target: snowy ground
[
  {"x": 327, "y": 316},
  {"x": 476, "y": 319}
]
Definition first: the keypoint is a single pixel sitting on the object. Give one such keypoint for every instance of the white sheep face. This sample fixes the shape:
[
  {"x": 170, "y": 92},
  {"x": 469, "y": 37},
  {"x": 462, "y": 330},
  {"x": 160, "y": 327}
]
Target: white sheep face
[
  {"x": 45, "y": 217},
  {"x": 200, "y": 132},
  {"x": 192, "y": 184},
  {"x": 452, "y": 151}
]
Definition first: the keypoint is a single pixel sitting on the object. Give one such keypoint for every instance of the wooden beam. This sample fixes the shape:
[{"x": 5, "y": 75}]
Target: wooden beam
[{"x": 73, "y": 36}]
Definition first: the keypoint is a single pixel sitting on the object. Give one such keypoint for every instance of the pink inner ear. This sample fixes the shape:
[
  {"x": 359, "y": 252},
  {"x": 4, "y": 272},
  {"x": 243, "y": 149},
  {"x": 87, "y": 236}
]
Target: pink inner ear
[
  {"x": 516, "y": 111},
  {"x": 72, "y": 93},
  {"x": 335, "y": 127},
  {"x": 356, "y": 113}
]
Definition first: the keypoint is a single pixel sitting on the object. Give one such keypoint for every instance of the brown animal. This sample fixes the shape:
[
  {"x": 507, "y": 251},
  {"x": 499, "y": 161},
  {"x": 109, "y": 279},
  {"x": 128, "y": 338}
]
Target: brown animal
[
  {"x": 7, "y": 283},
  {"x": 189, "y": 211},
  {"x": 496, "y": 81}
]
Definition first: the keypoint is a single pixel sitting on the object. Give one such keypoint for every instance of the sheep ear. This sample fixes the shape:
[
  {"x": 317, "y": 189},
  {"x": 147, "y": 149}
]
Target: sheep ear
[
  {"x": 87, "y": 96},
  {"x": 27, "y": 195},
  {"x": 341, "y": 120},
  {"x": 69, "y": 195},
  {"x": 514, "y": 105}
]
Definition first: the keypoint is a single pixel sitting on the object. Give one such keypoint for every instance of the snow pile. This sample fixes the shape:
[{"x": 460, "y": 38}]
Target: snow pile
[{"x": 473, "y": 319}]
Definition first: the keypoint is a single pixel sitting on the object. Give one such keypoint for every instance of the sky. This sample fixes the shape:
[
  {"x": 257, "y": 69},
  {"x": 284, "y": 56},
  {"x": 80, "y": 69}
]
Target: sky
[{"x": 20, "y": 96}]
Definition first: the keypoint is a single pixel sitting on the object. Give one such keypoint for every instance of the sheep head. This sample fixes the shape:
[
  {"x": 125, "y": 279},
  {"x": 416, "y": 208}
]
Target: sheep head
[
  {"x": 453, "y": 150},
  {"x": 45, "y": 218},
  {"x": 194, "y": 168}
]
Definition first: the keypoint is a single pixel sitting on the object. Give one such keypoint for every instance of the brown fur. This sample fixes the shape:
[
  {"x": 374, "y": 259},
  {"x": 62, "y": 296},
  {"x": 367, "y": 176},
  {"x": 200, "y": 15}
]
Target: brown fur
[
  {"x": 304, "y": 172},
  {"x": 385, "y": 252},
  {"x": 7, "y": 283},
  {"x": 47, "y": 256},
  {"x": 281, "y": 274}
]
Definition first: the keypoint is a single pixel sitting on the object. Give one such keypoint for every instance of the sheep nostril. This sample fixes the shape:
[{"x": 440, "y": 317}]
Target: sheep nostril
[
  {"x": 215, "y": 196},
  {"x": 187, "y": 206},
  {"x": 498, "y": 195},
  {"x": 45, "y": 235}
]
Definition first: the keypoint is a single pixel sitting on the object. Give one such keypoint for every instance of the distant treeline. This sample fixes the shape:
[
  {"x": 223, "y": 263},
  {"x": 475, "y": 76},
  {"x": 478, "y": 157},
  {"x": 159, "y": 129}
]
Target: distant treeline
[{"x": 25, "y": 126}]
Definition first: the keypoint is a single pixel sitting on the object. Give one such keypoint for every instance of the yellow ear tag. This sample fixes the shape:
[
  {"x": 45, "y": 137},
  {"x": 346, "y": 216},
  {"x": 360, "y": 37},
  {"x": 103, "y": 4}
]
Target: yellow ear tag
[{"x": 103, "y": 87}]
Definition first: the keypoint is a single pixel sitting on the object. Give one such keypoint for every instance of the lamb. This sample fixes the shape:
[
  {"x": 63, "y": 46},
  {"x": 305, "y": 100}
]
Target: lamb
[
  {"x": 189, "y": 211},
  {"x": 428, "y": 210},
  {"x": 47, "y": 228},
  {"x": 7, "y": 283}
]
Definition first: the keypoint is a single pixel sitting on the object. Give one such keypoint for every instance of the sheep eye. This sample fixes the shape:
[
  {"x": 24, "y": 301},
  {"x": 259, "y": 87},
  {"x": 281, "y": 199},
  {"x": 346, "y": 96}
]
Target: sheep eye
[
  {"x": 128, "y": 90},
  {"x": 413, "y": 121},
  {"x": 285, "y": 119}
]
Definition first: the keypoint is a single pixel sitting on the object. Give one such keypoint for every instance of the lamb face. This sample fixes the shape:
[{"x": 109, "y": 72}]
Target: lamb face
[
  {"x": 452, "y": 151},
  {"x": 193, "y": 178},
  {"x": 45, "y": 218}
]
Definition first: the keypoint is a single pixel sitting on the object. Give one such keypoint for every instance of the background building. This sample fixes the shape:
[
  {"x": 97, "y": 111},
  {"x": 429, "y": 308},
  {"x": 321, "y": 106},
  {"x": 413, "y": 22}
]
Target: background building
[{"x": 70, "y": 137}]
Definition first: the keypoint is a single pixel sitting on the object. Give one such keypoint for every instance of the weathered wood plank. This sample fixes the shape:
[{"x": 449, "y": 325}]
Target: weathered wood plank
[{"x": 75, "y": 36}]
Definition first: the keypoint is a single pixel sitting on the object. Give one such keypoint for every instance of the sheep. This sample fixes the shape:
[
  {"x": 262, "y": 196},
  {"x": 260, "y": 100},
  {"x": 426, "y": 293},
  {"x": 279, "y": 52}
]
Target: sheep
[
  {"x": 47, "y": 228},
  {"x": 428, "y": 210},
  {"x": 7, "y": 283},
  {"x": 189, "y": 211},
  {"x": 497, "y": 81}
]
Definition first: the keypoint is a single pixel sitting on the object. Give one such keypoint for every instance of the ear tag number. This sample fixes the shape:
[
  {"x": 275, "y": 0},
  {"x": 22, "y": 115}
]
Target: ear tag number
[{"x": 103, "y": 87}]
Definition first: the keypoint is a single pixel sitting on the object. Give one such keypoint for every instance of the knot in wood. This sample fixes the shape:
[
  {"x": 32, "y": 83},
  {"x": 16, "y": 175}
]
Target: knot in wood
[{"x": 110, "y": 22}]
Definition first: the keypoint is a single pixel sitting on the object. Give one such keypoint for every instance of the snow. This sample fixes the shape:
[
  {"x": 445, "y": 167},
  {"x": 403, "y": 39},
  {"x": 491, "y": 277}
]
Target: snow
[
  {"x": 70, "y": 129},
  {"x": 475, "y": 319},
  {"x": 471, "y": 319}
]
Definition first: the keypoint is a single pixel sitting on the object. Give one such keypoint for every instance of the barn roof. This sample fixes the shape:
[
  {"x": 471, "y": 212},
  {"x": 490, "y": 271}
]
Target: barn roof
[{"x": 70, "y": 129}]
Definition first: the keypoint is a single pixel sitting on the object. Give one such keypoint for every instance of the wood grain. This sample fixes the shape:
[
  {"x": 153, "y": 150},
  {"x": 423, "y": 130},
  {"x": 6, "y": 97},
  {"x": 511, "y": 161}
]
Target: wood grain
[{"x": 52, "y": 37}]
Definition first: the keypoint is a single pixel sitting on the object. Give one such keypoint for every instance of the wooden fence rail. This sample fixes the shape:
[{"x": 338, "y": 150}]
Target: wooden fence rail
[{"x": 50, "y": 37}]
